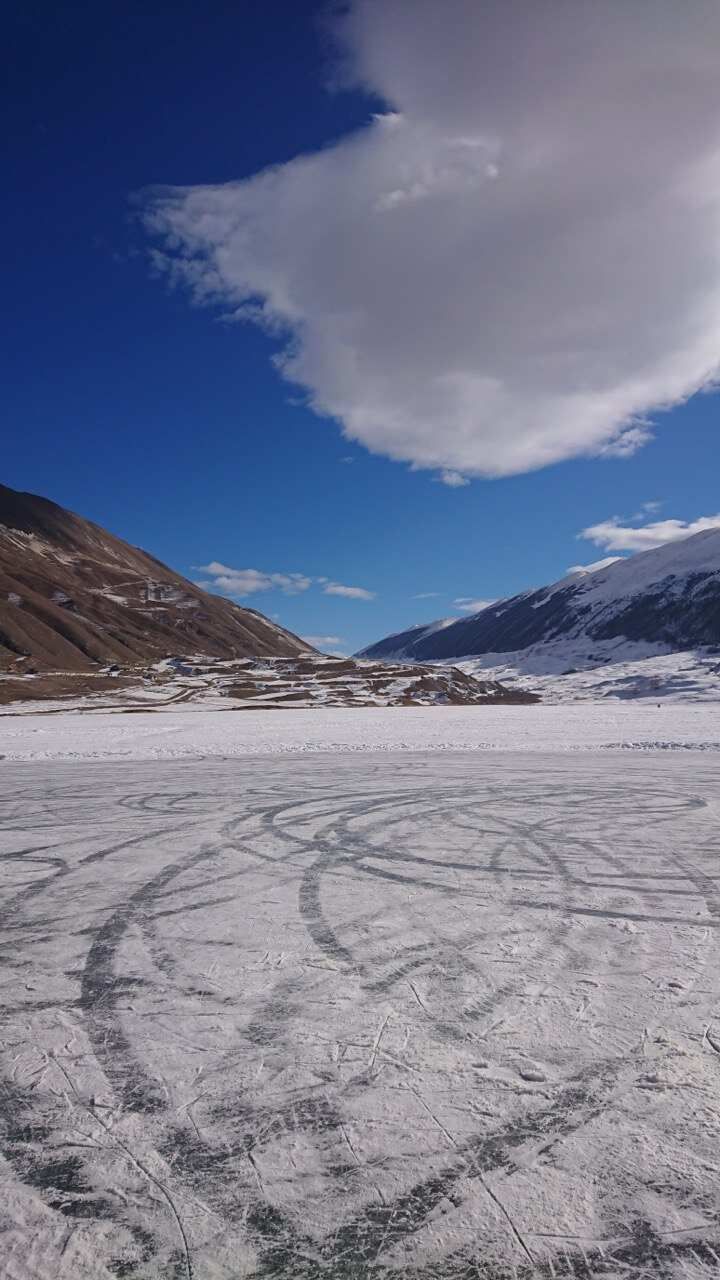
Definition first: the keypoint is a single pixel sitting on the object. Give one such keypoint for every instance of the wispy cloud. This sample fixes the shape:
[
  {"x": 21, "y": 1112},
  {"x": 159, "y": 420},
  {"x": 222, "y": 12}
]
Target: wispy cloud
[
  {"x": 323, "y": 642},
  {"x": 245, "y": 582},
  {"x": 615, "y": 536},
  {"x": 350, "y": 593},
  {"x": 469, "y": 605},
  {"x": 453, "y": 479},
  {"x": 427, "y": 595},
  {"x": 504, "y": 306}
]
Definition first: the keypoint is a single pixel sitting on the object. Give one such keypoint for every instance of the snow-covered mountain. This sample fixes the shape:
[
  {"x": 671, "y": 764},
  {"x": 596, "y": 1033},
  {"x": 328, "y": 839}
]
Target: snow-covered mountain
[
  {"x": 73, "y": 596},
  {"x": 658, "y": 601}
]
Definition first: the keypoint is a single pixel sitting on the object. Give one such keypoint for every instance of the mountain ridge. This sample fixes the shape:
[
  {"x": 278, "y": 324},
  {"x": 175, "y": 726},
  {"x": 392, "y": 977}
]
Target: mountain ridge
[
  {"x": 668, "y": 596},
  {"x": 73, "y": 596}
]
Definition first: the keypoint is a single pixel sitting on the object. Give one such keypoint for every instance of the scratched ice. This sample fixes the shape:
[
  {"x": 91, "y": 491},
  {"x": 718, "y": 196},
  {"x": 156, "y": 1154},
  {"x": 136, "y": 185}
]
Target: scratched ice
[{"x": 407, "y": 1016}]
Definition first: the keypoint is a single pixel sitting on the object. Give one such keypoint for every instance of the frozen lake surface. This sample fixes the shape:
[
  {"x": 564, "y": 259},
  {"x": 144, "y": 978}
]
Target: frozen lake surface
[
  {"x": 199, "y": 733},
  {"x": 423, "y": 1014}
]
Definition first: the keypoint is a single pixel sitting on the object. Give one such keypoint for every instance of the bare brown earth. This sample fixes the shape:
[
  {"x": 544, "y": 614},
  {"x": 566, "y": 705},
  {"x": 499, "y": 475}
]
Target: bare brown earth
[
  {"x": 60, "y": 684},
  {"x": 74, "y": 597}
]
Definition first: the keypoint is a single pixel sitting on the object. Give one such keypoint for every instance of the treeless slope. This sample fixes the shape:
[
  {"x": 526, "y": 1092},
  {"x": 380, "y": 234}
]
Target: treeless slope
[{"x": 73, "y": 595}]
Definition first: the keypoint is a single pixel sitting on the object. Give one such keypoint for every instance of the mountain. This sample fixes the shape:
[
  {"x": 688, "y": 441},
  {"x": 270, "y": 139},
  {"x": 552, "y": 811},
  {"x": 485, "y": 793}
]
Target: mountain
[
  {"x": 73, "y": 596},
  {"x": 667, "y": 599}
]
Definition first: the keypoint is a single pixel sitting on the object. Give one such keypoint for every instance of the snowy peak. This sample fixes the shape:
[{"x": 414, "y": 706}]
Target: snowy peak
[
  {"x": 625, "y": 576},
  {"x": 668, "y": 597}
]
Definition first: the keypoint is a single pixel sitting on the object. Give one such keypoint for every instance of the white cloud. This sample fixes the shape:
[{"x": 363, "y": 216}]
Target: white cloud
[
  {"x": 245, "y": 582},
  {"x": 468, "y": 605},
  {"x": 517, "y": 262},
  {"x": 452, "y": 479},
  {"x": 615, "y": 536},
  {"x": 426, "y": 595},
  {"x": 351, "y": 593},
  {"x": 323, "y": 642},
  {"x": 646, "y": 509}
]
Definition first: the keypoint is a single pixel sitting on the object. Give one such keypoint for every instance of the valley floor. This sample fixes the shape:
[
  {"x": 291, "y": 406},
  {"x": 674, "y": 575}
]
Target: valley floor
[
  {"x": 393, "y": 1014},
  {"x": 197, "y": 733}
]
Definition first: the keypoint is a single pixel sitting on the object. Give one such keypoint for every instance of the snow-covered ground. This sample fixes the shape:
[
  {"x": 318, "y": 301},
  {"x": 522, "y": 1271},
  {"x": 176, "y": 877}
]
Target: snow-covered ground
[
  {"x": 200, "y": 733},
  {"x": 567, "y": 671},
  {"x": 389, "y": 1015}
]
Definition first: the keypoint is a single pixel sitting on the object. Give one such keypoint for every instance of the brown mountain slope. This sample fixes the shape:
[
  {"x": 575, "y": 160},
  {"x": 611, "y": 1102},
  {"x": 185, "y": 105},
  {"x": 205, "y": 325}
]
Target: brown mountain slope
[{"x": 73, "y": 595}]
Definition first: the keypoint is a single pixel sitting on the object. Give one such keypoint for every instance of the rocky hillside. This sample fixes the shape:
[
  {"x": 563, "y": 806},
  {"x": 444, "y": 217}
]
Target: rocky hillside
[
  {"x": 668, "y": 598},
  {"x": 338, "y": 682},
  {"x": 73, "y": 596},
  {"x": 308, "y": 680}
]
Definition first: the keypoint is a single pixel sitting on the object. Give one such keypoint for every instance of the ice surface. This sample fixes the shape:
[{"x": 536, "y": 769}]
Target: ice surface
[
  {"x": 311, "y": 1016},
  {"x": 200, "y": 733}
]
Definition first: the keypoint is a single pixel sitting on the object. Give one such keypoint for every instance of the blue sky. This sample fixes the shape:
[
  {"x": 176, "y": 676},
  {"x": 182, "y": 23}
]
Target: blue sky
[{"x": 173, "y": 428}]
